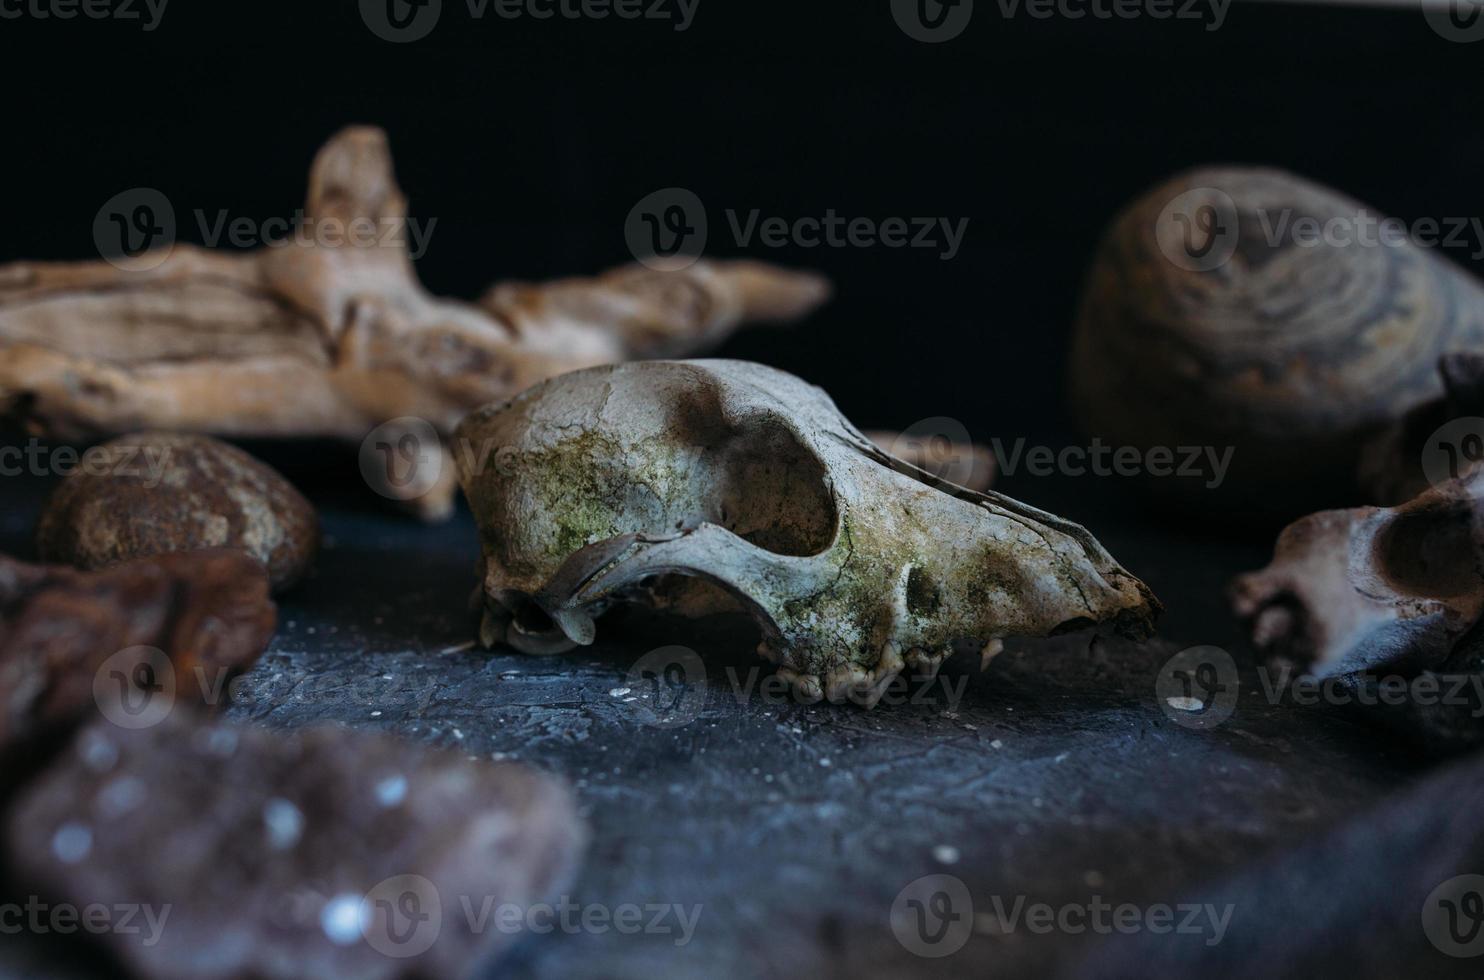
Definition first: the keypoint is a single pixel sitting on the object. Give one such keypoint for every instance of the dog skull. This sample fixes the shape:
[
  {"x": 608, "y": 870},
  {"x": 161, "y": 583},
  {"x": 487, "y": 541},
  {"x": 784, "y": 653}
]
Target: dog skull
[{"x": 594, "y": 486}]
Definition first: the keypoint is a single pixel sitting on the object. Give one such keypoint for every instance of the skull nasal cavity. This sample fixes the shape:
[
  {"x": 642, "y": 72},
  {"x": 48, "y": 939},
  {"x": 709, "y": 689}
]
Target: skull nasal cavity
[{"x": 773, "y": 491}]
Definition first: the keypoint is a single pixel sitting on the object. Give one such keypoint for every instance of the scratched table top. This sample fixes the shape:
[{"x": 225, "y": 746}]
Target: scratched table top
[{"x": 764, "y": 837}]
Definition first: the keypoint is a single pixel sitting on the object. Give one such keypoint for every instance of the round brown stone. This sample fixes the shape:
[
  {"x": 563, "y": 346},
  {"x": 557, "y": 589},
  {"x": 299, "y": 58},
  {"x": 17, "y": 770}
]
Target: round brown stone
[{"x": 154, "y": 493}]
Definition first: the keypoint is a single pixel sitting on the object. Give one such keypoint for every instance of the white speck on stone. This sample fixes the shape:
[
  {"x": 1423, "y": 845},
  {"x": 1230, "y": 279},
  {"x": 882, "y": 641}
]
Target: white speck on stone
[
  {"x": 120, "y": 796},
  {"x": 826, "y": 763},
  {"x": 1061, "y": 757},
  {"x": 220, "y": 742},
  {"x": 72, "y": 842},
  {"x": 387, "y": 677},
  {"x": 1185, "y": 704},
  {"x": 98, "y": 753},
  {"x": 971, "y": 728},
  {"x": 997, "y": 744},
  {"x": 284, "y": 822},
  {"x": 376, "y": 714},
  {"x": 945, "y": 854},
  {"x": 458, "y": 734},
  {"x": 618, "y": 692},
  {"x": 342, "y": 919},
  {"x": 391, "y": 791}
]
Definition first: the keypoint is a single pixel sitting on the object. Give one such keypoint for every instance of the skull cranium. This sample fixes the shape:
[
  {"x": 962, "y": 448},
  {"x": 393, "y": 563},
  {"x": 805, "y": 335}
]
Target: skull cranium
[{"x": 853, "y": 563}]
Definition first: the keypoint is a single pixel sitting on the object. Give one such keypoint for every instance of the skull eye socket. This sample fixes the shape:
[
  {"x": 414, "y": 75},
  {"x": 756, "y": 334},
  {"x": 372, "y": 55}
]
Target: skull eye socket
[
  {"x": 1422, "y": 552},
  {"x": 774, "y": 491}
]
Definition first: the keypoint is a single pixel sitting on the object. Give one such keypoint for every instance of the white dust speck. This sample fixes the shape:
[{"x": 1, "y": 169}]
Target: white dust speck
[
  {"x": 945, "y": 854},
  {"x": 391, "y": 791},
  {"x": 72, "y": 842},
  {"x": 997, "y": 744},
  {"x": 1185, "y": 704},
  {"x": 618, "y": 692},
  {"x": 342, "y": 919},
  {"x": 121, "y": 796},
  {"x": 284, "y": 822},
  {"x": 98, "y": 753}
]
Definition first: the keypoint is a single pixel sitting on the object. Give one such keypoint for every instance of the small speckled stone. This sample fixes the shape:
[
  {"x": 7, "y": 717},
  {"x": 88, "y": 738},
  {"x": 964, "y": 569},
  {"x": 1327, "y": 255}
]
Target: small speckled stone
[
  {"x": 320, "y": 853},
  {"x": 153, "y": 493}
]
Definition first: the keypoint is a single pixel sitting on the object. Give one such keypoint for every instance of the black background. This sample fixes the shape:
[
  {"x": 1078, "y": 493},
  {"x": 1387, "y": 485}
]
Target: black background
[{"x": 530, "y": 142}]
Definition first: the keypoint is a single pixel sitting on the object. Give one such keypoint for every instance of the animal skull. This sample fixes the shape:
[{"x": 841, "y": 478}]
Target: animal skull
[
  {"x": 1350, "y": 590},
  {"x": 593, "y": 487}
]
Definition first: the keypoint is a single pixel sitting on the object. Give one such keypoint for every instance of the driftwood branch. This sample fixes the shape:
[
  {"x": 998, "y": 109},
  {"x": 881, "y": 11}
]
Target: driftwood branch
[{"x": 307, "y": 338}]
